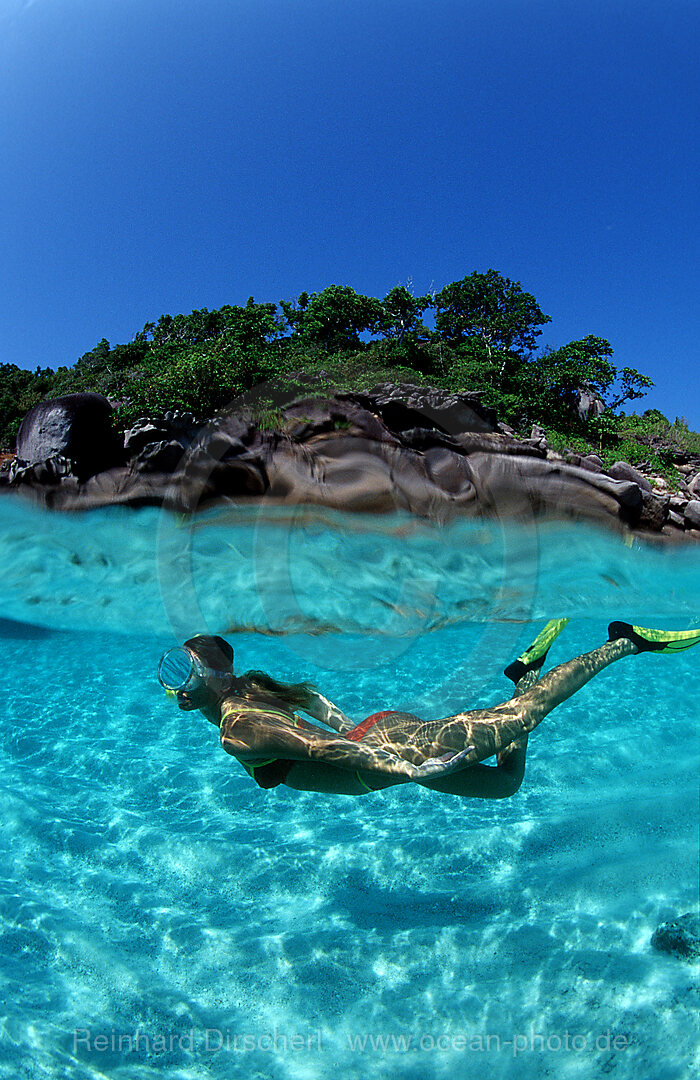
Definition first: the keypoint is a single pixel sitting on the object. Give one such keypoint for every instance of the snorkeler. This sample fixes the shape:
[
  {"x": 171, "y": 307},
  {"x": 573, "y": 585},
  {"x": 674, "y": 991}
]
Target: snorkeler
[{"x": 258, "y": 720}]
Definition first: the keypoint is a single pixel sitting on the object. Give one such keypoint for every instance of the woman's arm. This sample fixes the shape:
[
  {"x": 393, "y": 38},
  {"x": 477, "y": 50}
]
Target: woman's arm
[
  {"x": 488, "y": 781},
  {"x": 251, "y": 736},
  {"x": 326, "y": 712}
]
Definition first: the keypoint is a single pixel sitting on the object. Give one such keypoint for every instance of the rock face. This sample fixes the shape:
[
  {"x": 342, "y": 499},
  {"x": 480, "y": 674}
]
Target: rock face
[
  {"x": 621, "y": 470},
  {"x": 423, "y": 450},
  {"x": 691, "y": 514},
  {"x": 403, "y": 406},
  {"x": 589, "y": 402},
  {"x": 680, "y": 937},
  {"x": 76, "y": 428}
]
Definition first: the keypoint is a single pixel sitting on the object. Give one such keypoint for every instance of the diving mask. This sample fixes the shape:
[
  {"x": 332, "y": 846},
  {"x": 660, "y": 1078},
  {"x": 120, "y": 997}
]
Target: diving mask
[{"x": 179, "y": 668}]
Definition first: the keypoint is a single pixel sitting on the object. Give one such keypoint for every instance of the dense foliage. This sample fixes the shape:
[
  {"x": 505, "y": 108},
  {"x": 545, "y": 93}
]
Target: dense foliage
[
  {"x": 483, "y": 338},
  {"x": 19, "y": 390}
]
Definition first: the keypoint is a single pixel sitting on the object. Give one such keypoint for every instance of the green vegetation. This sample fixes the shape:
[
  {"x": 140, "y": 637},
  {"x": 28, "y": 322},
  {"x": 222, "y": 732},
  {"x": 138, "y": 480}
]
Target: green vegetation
[
  {"x": 484, "y": 339},
  {"x": 19, "y": 391}
]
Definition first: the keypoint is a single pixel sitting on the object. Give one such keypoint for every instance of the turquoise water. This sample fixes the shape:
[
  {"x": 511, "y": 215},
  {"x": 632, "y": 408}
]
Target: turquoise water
[{"x": 151, "y": 889}]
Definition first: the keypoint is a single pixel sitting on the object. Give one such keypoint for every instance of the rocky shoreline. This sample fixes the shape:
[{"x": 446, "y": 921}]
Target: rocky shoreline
[{"x": 394, "y": 447}]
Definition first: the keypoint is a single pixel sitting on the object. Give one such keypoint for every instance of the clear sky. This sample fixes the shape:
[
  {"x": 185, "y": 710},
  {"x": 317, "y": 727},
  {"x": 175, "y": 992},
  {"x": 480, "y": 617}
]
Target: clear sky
[{"x": 163, "y": 155}]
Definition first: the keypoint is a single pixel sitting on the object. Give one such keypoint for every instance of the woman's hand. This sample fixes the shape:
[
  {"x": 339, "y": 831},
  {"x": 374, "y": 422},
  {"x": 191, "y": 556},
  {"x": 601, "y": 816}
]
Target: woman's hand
[
  {"x": 248, "y": 734},
  {"x": 435, "y": 768}
]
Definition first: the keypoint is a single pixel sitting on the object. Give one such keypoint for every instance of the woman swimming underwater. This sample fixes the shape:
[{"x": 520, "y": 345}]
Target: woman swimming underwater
[{"x": 259, "y": 723}]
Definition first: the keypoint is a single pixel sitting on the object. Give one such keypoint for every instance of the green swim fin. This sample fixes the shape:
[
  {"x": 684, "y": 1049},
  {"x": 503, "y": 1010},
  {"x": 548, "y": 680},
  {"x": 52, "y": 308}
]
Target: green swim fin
[
  {"x": 533, "y": 658},
  {"x": 646, "y": 640}
]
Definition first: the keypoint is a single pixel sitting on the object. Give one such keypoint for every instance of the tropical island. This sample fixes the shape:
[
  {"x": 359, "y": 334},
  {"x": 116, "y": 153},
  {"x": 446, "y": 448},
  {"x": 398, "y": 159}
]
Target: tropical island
[{"x": 439, "y": 403}]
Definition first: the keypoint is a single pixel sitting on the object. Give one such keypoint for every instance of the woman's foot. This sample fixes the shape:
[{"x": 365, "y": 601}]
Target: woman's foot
[
  {"x": 534, "y": 657},
  {"x": 646, "y": 640}
]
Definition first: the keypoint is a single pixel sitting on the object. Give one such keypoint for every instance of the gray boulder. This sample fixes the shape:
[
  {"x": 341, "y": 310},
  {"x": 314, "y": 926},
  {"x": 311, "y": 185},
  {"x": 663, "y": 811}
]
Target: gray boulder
[
  {"x": 621, "y": 470},
  {"x": 477, "y": 478},
  {"x": 143, "y": 433},
  {"x": 305, "y": 418},
  {"x": 655, "y": 511},
  {"x": 588, "y": 402},
  {"x": 173, "y": 427},
  {"x": 594, "y": 464},
  {"x": 50, "y": 471},
  {"x": 404, "y": 405},
  {"x": 691, "y": 514},
  {"x": 159, "y": 457},
  {"x": 538, "y": 437},
  {"x": 77, "y": 427},
  {"x": 680, "y": 937}
]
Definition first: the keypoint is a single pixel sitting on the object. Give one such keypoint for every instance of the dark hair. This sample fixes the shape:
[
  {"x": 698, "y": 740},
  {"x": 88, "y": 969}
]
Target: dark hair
[
  {"x": 218, "y": 654},
  {"x": 213, "y": 650},
  {"x": 297, "y": 695}
]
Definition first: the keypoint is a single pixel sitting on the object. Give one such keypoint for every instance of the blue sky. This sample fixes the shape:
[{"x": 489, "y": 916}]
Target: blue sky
[{"x": 159, "y": 157}]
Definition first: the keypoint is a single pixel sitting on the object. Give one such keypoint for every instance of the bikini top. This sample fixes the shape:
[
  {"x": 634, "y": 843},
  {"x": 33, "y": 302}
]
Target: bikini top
[{"x": 267, "y": 772}]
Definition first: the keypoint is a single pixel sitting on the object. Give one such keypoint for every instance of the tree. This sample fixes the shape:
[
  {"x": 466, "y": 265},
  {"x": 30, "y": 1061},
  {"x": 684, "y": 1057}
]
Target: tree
[
  {"x": 632, "y": 385},
  {"x": 101, "y": 369},
  {"x": 333, "y": 318},
  {"x": 19, "y": 391},
  {"x": 402, "y": 314},
  {"x": 556, "y": 378},
  {"x": 196, "y": 379},
  {"x": 293, "y": 311},
  {"x": 252, "y": 324},
  {"x": 492, "y": 308},
  {"x": 97, "y": 358}
]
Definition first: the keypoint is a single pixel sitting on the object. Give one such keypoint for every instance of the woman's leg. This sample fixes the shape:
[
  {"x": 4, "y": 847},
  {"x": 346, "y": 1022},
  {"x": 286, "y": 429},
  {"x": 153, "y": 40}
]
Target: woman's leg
[
  {"x": 564, "y": 681},
  {"x": 556, "y": 686},
  {"x": 504, "y": 779},
  {"x": 491, "y": 731}
]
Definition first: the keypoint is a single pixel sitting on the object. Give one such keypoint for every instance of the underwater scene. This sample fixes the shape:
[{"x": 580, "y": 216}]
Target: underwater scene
[{"x": 162, "y": 916}]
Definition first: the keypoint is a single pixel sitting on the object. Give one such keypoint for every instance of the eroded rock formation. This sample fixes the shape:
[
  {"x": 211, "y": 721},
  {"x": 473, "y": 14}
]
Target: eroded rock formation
[{"x": 403, "y": 447}]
